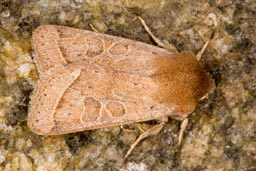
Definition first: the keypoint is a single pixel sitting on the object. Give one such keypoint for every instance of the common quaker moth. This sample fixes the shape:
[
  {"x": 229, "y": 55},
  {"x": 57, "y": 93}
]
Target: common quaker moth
[{"x": 90, "y": 80}]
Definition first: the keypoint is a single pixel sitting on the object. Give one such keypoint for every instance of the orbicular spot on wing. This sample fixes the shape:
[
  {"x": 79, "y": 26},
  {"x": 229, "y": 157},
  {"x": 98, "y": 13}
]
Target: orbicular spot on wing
[
  {"x": 116, "y": 109},
  {"x": 92, "y": 109},
  {"x": 73, "y": 48},
  {"x": 95, "y": 47},
  {"x": 118, "y": 49}
]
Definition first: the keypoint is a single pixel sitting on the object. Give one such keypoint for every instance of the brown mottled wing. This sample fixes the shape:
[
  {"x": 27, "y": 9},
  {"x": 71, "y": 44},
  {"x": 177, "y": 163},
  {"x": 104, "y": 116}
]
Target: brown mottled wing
[
  {"x": 109, "y": 81},
  {"x": 56, "y": 46},
  {"x": 79, "y": 98}
]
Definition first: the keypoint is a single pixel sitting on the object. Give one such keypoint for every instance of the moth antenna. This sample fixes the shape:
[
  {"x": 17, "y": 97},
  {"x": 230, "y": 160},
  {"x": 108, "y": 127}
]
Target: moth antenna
[{"x": 163, "y": 44}]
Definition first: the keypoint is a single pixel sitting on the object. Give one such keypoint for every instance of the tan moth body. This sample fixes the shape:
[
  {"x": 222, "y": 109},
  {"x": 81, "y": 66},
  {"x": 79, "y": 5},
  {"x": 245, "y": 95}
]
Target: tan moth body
[{"x": 90, "y": 80}]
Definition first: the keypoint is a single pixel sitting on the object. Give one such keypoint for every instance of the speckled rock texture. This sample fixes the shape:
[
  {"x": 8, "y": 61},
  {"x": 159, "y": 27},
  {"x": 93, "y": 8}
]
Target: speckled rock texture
[{"x": 221, "y": 134}]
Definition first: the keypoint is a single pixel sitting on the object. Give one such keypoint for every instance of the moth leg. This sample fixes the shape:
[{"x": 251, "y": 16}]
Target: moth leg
[
  {"x": 126, "y": 129},
  {"x": 204, "y": 97},
  {"x": 93, "y": 28},
  {"x": 160, "y": 43},
  {"x": 138, "y": 125},
  {"x": 183, "y": 126},
  {"x": 200, "y": 53},
  {"x": 152, "y": 131}
]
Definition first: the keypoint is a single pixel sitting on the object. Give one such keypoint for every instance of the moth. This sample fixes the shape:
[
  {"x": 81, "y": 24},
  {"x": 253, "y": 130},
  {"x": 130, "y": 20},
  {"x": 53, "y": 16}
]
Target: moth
[{"x": 89, "y": 80}]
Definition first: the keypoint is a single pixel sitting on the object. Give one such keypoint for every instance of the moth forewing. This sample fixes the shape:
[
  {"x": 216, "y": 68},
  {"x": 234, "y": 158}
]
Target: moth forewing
[
  {"x": 90, "y": 97},
  {"x": 58, "y": 45}
]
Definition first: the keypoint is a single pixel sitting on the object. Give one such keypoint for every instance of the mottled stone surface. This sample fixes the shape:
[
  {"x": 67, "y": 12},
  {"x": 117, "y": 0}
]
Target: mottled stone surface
[{"x": 221, "y": 134}]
